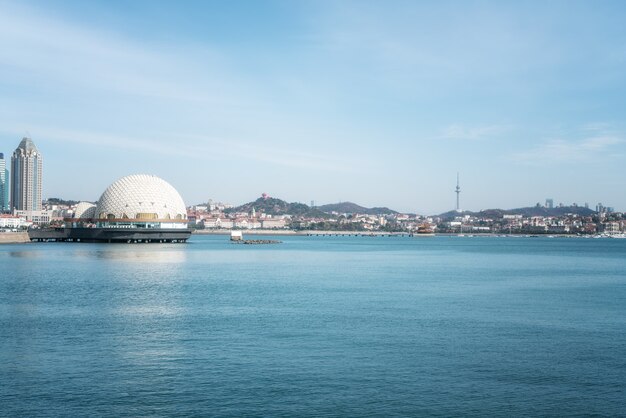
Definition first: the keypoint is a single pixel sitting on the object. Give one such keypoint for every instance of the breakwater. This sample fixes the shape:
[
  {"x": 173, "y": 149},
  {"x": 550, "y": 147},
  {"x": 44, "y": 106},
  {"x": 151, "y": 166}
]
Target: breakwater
[{"x": 257, "y": 241}]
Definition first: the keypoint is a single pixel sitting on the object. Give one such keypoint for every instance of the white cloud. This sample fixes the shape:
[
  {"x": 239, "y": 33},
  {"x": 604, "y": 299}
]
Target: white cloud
[
  {"x": 66, "y": 56},
  {"x": 174, "y": 93},
  {"x": 472, "y": 133},
  {"x": 197, "y": 147},
  {"x": 562, "y": 151}
]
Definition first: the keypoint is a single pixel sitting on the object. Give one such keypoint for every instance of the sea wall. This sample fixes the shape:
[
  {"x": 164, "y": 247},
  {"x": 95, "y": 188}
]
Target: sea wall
[
  {"x": 287, "y": 232},
  {"x": 14, "y": 237}
]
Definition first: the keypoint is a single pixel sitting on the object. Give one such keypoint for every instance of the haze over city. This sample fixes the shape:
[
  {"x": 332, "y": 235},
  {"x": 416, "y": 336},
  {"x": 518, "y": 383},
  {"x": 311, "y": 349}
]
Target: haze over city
[{"x": 376, "y": 103}]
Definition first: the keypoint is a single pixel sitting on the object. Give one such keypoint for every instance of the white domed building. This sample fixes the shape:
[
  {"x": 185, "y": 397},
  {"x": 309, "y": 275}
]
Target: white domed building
[
  {"x": 84, "y": 211},
  {"x": 141, "y": 200},
  {"x": 135, "y": 208}
]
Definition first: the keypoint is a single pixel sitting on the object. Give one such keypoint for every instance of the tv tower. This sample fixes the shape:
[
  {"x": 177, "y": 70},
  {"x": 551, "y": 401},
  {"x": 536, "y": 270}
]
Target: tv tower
[{"x": 458, "y": 192}]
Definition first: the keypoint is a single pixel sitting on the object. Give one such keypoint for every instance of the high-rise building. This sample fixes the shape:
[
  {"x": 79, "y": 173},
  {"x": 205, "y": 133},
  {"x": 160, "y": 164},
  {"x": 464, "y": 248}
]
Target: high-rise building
[
  {"x": 600, "y": 208},
  {"x": 26, "y": 177},
  {"x": 4, "y": 184},
  {"x": 550, "y": 203}
]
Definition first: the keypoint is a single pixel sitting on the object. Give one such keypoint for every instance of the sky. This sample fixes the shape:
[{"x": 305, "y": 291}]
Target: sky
[{"x": 378, "y": 103}]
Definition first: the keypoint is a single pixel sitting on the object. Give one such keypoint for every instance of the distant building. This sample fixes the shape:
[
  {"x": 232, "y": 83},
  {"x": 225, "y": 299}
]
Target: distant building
[
  {"x": 225, "y": 223},
  {"x": 26, "y": 177},
  {"x": 4, "y": 185},
  {"x": 219, "y": 223},
  {"x": 11, "y": 222},
  {"x": 273, "y": 223},
  {"x": 600, "y": 208},
  {"x": 550, "y": 203},
  {"x": 39, "y": 217}
]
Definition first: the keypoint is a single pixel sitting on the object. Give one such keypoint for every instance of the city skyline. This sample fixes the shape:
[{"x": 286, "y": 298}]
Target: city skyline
[
  {"x": 323, "y": 101},
  {"x": 23, "y": 159}
]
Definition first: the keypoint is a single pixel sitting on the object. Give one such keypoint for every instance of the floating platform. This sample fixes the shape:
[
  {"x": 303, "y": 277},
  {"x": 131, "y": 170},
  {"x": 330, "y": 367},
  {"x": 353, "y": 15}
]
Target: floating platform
[{"x": 110, "y": 235}]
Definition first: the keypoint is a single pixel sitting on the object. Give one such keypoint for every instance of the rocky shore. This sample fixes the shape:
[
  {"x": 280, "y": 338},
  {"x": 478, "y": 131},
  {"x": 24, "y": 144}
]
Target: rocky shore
[{"x": 257, "y": 241}]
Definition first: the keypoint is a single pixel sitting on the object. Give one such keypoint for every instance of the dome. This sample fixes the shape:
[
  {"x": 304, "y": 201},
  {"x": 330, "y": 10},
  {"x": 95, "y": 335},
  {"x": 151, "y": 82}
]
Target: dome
[
  {"x": 141, "y": 196},
  {"x": 85, "y": 210}
]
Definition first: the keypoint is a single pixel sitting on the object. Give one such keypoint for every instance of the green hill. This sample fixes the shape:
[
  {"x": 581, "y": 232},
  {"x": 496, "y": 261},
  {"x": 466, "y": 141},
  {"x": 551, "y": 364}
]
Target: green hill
[
  {"x": 349, "y": 207},
  {"x": 527, "y": 212},
  {"x": 273, "y": 206}
]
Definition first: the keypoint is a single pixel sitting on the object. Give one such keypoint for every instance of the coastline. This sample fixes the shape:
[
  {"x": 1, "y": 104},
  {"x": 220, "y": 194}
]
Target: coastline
[
  {"x": 289, "y": 232},
  {"x": 23, "y": 237}
]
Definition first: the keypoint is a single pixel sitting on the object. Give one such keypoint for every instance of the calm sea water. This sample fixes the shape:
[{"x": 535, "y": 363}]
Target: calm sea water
[{"x": 339, "y": 326}]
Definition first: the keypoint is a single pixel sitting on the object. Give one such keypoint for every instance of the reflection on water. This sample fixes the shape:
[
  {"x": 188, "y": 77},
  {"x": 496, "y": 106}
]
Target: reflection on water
[
  {"x": 153, "y": 253},
  {"x": 23, "y": 254},
  {"x": 141, "y": 256},
  {"x": 149, "y": 310}
]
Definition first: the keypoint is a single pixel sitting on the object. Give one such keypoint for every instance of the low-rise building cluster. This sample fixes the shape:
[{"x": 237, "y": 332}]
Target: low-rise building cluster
[
  {"x": 607, "y": 223},
  {"x": 213, "y": 216},
  {"x": 206, "y": 217}
]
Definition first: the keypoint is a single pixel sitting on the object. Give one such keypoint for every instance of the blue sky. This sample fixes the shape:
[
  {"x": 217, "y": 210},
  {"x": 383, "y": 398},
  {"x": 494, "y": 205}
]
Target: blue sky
[{"x": 380, "y": 103}]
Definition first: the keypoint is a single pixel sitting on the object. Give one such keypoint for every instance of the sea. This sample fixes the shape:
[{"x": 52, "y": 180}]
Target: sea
[{"x": 339, "y": 326}]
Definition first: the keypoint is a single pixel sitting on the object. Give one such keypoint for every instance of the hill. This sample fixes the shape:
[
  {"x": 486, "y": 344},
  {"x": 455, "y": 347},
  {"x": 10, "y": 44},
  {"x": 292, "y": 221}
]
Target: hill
[
  {"x": 527, "y": 212},
  {"x": 349, "y": 207},
  {"x": 558, "y": 211},
  {"x": 273, "y": 206}
]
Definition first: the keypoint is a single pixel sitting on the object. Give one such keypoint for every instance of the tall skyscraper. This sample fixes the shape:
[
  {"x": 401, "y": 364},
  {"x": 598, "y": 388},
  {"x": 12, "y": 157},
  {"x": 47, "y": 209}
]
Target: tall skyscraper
[
  {"x": 26, "y": 177},
  {"x": 4, "y": 184}
]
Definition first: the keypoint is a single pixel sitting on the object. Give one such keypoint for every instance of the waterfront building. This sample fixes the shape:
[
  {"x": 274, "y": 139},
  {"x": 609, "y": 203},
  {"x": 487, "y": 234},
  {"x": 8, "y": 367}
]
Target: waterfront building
[
  {"x": 26, "y": 177},
  {"x": 225, "y": 223},
  {"x": 38, "y": 217},
  {"x": 4, "y": 185},
  {"x": 13, "y": 222},
  {"x": 136, "y": 201},
  {"x": 273, "y": 223},
  {"x": 135, "y": 208}
]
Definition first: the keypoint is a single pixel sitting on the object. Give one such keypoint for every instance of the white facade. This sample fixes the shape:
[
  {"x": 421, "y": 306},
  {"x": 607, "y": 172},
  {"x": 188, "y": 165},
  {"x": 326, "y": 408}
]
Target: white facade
[
  {"x": 273, "y": 223},
  {"x": 39, "y": 217},
  {"x": 141, "y": 197},
  {"x": 224, "y": 223},
  {"x": 84, "y": 210},
  {"x": 136, "y": 201},
  {"x": 14, "y": 222}
]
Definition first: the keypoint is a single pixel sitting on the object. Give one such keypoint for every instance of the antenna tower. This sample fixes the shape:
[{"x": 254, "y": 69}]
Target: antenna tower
[{"x": 458, "y": 192}]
